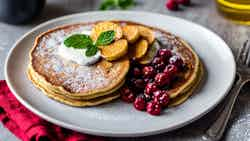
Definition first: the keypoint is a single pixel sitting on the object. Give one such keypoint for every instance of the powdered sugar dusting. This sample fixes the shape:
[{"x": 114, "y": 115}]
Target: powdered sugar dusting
[
  {"x": 72, "y": 76},
  {"x": 168, "y": 41}
]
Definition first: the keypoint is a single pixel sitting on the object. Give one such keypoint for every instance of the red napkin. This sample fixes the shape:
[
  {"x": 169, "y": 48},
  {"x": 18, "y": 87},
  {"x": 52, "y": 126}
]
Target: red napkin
[{"x": 29, "y": 127}]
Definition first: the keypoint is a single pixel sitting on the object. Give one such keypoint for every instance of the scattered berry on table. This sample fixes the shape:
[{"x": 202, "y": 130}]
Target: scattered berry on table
[
  {"x": 172, "y": 5},
  {"x": 184, "y": 2}
]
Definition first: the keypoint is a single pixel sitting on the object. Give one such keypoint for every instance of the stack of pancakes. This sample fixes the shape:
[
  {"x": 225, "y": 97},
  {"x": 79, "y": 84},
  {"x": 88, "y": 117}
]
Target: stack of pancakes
[
  {"x": 71, "y": 83},
  {"x": 77, "y": 85},
  {"x": 191, "y": 78}
]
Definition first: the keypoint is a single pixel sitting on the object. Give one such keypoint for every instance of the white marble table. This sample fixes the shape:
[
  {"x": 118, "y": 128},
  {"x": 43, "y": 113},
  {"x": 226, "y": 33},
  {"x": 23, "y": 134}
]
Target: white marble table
[{"x": 202, "y": 12}]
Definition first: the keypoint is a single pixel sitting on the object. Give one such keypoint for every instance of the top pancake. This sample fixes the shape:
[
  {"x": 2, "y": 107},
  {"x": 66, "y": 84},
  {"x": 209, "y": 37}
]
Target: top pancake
[{"x": 68, "y": 77}]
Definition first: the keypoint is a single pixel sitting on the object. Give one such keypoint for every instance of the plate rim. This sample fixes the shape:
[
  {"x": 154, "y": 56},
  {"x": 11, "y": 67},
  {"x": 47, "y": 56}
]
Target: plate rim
[{"x": 97, "y": 131}]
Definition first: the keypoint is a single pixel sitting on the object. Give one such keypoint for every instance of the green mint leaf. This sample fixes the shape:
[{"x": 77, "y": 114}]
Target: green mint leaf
[
  {"x": 108, "y": 4},
  {"x": 78, "y": 41},
  {"x": 125, "y": 4},
  {"x": 91, "y": 51},
  {"x": 116, "y": 4},
  {"x": 105, "y": 38}
]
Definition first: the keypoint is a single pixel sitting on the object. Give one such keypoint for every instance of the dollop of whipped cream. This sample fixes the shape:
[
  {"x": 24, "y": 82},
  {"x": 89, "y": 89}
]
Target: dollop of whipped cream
[{"x": 78, "y": 55}]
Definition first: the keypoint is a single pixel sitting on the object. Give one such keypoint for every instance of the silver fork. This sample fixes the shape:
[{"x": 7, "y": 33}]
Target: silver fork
[{"x": 216, "y": 130}]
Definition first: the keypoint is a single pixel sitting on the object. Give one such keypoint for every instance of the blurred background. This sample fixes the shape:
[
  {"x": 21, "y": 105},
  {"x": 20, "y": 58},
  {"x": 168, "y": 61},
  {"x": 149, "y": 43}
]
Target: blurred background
[
  {"x": 19, "y": 16},
  {"x": 17, "y": 12}
]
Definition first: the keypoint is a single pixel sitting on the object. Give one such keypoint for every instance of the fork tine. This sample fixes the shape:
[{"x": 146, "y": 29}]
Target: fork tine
[
  {"x": 243, "y": 53},
  {"x": 240, "y": 50},
  {"x": 248, "y": 55}
]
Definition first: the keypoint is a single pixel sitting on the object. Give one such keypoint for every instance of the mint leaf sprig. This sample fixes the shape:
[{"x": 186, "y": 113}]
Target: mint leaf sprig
[
  {"x": 78, "y": 41},
  {"x": 116, "y": 4},
  {"x": 82, "y": 41},
  {"x": 105, "y": 38},
  {"x": 91, "y": 51}
]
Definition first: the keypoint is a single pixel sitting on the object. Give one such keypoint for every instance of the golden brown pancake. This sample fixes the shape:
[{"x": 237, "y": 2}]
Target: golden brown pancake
[
  {"x": 46, "y": 85},
  {"x": 189, "y": 57},
  {"x": 185, "y": 95},
  {"x": 73, "y": 102},
  {"x": 69, "y": 78}
]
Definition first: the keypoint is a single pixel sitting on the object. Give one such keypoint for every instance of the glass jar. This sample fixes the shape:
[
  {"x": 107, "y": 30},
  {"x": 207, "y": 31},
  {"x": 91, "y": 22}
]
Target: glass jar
[
  {"x": 235, "y": 10},
  {"x": 20, "y": 11}
]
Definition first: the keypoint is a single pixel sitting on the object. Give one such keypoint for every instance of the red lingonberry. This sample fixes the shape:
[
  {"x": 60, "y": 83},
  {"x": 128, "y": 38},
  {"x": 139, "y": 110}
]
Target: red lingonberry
[
  {"x": 172, "y": 5},
  {"x": 150, "y": 88},
  {"x": 139, "y": 83},
  {"x": 136, "y": 72},
  {"x": 162, "y": 79},
  {"x": 157, "y": 60},
  {"x": 154, "y": 108},
  {"x": 148, "y": 71},
  {"x": 140, "y": 103},
  {"x": 165, "y": 53},
  {"x": 184, "y": 2},
  {"x": 171, "y": 69},
  {"x": 127, "y": 95},
  {"x": 161, "y": 97},
  {"x": 177, "y": 61}
]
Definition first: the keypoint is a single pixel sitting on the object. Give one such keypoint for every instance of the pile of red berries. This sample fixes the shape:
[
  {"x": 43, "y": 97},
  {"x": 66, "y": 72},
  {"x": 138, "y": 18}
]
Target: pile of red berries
[
  {"x": 173, "y": 4},
  {"x": 147, "y": 85}
]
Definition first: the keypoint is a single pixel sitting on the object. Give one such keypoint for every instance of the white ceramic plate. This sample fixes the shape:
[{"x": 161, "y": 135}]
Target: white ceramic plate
[{"x": 118, "y": 118}]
